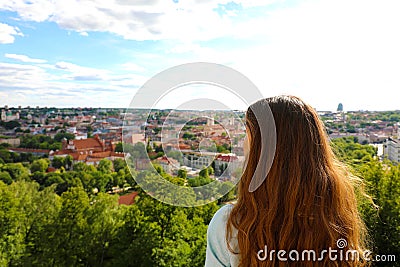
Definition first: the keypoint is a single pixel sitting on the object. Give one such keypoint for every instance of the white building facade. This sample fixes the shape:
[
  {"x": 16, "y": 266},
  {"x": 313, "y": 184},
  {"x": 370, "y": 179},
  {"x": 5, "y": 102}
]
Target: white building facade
[{"x": 391, "y": 150}]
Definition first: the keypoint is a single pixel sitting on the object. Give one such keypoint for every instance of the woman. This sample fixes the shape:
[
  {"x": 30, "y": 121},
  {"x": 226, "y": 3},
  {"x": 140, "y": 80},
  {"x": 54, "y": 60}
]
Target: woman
[{"x": 306, "y": 205}]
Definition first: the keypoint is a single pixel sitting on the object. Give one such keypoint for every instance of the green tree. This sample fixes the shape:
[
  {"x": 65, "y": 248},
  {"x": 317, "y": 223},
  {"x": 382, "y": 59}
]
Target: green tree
[
  {"x": 137, "y": 151},
  {"x": 38, "y": 209},
  {"x": 11, "y": 235},
  {"x": 54, "y": 178},
  {"x": 9, "y": 125},
  {"x": 5, "y": 177},
  {"x": 69, "y": 235},
  {"x": 105, "y": 166},
  {"x": 156, "y": 234},
  {"x": 4, "y": 145},
  {"x": 382, "y": 183},
  {"x": 17, "y": 171},
  {"x": 68, "y": 162},
  {"x": 60, "y": 136},
  {"x": 6, "y": 156},
  {"x": 182, "y": 173},
  {"x": 383, "y": 222},
  {"x": 102, "y": 181},
  {"x": 39, "y": 177},
  {"x": 119, "y": 164},
  {"x": 204, "y": 173},
  {"x": 230, "y": 189},
  {"x": 79, "y": 167},
  {"x": 58, "y": 162},
  {"x": 104, "y": 222},
  {"x": 39, "y": 165},
  {"x": 119, "y": 147}
]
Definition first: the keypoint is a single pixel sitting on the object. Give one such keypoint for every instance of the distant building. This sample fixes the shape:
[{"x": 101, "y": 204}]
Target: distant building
[
  {"x": 198, "y": 160},
  {"x": 135, "y": 138},
  {"x": 14, "y": 142},
  {"x": 141, "y": 164},
  {"x": 168, "y": 164},
  {"x": 8, "y": 116},
  {"x": 89, "y": 151},
  {"x": 391, "y": 150},
  {"x": 213, "y": 130},
  {"x": 340, "y": 107},
  {"x": 225, "y": 164},
  {"x": 87, "y": 145},
  {"x": 378, "y": 138},
  {"x": 33, "y": 151},
  {"x": 80, "y": 136}
]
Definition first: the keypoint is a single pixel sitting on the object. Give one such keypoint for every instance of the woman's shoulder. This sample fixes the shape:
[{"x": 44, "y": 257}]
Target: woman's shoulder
[
  {"x": 218, "y": 253},
  {"x": 221, "y": 216}
]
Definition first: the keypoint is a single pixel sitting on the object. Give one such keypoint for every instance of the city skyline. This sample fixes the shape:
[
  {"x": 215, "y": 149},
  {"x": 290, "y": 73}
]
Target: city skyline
[
  {"x": 93, "y": 54},
  {"x": 123, "y": 109}
]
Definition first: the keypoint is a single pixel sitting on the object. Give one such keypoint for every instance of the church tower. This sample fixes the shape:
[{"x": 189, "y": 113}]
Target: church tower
[{"x": 3, "y": 115}]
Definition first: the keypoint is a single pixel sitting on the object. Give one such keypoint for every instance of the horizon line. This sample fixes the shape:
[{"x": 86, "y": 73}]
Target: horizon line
[{"x": 145, "y": 108}]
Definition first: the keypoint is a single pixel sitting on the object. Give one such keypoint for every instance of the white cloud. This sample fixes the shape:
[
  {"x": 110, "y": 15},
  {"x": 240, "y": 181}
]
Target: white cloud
[
  {"x": 8, "y": 33},
  {"x": 137, "y": 20},
  {"x": 326, "y": 51},
  {"x": 24, "y": 58},
  {"x": 130, "y": 66},
  {"x": 33, "y": 10},
  {"x": 80, "y": 73},
  {"x": 65, "y": 84}
]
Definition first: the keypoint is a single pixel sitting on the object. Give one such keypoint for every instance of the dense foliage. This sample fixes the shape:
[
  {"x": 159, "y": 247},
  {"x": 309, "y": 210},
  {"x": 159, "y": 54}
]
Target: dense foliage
[
  {"x": 9, "y": 125},
  {"x": 57, "y": 219},
  {"x": 382, "y": 183},
  {"x": 41, "y": 228},
  {"x": 54, "y": 219}
]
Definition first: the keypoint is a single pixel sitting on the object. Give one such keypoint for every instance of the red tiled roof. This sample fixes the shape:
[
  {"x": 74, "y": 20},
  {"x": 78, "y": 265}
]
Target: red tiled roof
[
  {"x": 87, "y": 155},
  {"x": 184, "y": 146},
  {"x": 213, "y": 127},
  {"x": 226, "y": 158},
  {"x": 63, "y": 152},
  {"x": 51, "y": 169},
  {"x": 87, "y": 143},
  {"x": 79, "y": 157},
  {"x": 118, "y": 154},
  {"x": 128, "y": 199},
  {"x": 106, "y": 154},
  {"x": 166, "y": 160},
  {"x": 74, "y": 155},
  {"x": 101, "y": 154}
]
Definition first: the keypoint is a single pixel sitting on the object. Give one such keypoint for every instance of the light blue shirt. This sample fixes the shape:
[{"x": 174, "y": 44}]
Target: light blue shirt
[{"x": 217, "y": 253}]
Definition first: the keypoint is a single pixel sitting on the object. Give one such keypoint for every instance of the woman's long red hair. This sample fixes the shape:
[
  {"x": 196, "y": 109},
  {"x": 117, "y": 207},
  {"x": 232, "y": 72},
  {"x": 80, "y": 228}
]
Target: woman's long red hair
[{"x": 307, "y": 201}]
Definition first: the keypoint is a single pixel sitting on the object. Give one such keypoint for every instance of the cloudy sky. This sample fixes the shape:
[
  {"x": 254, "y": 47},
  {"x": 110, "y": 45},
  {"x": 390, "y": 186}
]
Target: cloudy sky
[{"x": 95, "y": 53}]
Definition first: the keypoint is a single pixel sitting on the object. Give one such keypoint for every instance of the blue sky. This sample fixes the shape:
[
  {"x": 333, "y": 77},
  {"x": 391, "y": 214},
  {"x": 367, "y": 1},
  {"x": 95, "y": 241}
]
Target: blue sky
[{"x": 81, "y": 53}]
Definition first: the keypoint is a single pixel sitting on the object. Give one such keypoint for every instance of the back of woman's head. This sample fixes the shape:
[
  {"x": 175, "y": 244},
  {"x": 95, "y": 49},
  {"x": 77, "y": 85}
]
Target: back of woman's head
[{"x": 307, "y": 200}]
